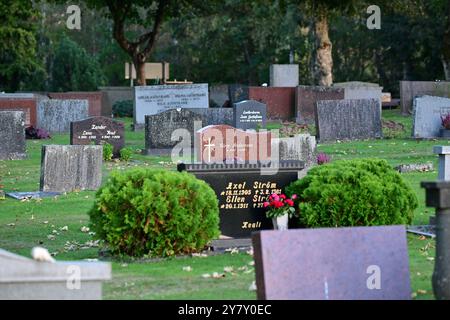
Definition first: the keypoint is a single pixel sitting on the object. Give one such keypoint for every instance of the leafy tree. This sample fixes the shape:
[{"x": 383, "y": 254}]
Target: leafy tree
[
  {"x": 136, "y": 24},
  {"x": 17, "y": 43},
  {"x": 73, "y": 69}
]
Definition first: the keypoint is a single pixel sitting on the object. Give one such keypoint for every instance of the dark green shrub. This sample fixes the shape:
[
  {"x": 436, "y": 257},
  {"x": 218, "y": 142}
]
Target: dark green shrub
[
  {"x": 365, "y": 192},
  {"x": 123, "y": 108},
  {"x": 155, "y": 212},
  {"x": 108, "y": 151},
  {"x": 125, "y": 154}
]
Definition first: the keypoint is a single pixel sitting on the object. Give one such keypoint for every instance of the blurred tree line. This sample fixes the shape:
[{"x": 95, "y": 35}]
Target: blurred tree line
[{"x": 234, "y": 41}]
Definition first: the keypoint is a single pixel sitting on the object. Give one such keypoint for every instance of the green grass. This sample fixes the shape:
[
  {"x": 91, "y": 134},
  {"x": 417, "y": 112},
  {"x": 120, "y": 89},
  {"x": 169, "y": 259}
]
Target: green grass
[{"x": 27, "y": 224}]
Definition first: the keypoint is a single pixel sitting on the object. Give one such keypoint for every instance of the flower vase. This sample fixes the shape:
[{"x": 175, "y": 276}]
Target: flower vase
[{"x": 281, "y": 222}]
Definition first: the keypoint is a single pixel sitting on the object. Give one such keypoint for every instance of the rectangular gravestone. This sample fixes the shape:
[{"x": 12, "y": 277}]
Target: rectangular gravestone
[
  {"x": 12, "y": 135},
  {"x": 241, "y": 190},
  {"x": 56, "y": 115},
  {"x": 306, "y": 98},
  {"x": 67, "y": 168},
  {"x": 214, "y": 116},
  {"x": 150, "y": 100},
  {"x": 348, "y": 119},
  {"x": 222, "y": 143},
  {"x": 249, "y": 114},
  {"x": 26, "y": 279},
  {"x": 98, "y": 130},
  {"x": 359, "y": 263},
  {"x": 237, "y": 93},
  {"x": 427, "y": 116},
  {"x": 300, "y": 147},
  {"x": 284, "y": 75},
  {"x": 411, "y": 89},
  {"x": 166, "y": 129}
]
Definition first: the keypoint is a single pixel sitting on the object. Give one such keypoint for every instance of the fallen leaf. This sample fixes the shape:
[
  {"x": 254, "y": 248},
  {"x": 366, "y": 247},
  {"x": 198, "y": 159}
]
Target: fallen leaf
[
  {"x": 84, "y": 229},
  {"x": 420, "y": 291},
  {"x": 251, "y": 263},
  {"x": 228, "y": 269},
  {"x": 217, "y": 275},
  {"x": 65, "y": 228},
  {"x": 252, "y": 286},
  {"x": 206, "y": 275},
  {"x": 188, "y": 268},
  {"x": 11, "y": 224},
  {"x": 51, "y": 237}
]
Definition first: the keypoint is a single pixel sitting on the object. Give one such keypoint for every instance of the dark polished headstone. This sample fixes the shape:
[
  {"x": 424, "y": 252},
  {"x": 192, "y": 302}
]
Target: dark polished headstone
[
  {"x": 359, "y": 263},
  {"x": 238, "y": 92},
  {"x": 241, "y": 190},
  {"x": 249, "y": 114},
  {"x": 98, "y": 130}
]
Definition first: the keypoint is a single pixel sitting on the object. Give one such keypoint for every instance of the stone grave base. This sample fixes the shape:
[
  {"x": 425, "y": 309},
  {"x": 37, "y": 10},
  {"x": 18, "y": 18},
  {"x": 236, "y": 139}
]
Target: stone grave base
[
  {"x": 222, "y": 244},
  {"x": 32, "y": 195},
  {"x": 424, "y": 230}
]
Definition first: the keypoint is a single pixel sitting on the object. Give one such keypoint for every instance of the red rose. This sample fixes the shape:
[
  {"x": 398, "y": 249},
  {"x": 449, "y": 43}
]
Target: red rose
[
  {"x": 266, "y": 204},
  {"x": 290, "y": 202}
]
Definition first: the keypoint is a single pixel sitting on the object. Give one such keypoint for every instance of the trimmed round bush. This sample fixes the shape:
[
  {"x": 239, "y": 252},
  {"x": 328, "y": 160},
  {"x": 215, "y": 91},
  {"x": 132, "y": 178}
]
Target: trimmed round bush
[
  {"x": 123, "y": 108},
  {"x": 364, "y": 192},
  {"x": 155, "y": 212}
]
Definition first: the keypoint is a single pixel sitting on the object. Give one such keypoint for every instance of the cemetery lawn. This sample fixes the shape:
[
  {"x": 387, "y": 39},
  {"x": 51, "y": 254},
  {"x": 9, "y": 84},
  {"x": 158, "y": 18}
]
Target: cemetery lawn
[{"x": 24, "y": 225}]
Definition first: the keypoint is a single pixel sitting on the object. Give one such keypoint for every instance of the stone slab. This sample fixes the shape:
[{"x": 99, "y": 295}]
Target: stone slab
[
  {"x": 32, "y": 195},
  {"x": 427, "y": 116},
  {"x": 12, "y": 135},
  {"x": 66, "y": 168},
  {"x": 359, "y": 263},
  {"x": 56, "y": 115},
  {"x": 249, "y": 114}
]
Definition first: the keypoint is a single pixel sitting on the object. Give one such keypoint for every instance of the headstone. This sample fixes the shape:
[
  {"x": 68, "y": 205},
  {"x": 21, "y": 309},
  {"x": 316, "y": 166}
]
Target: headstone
[
  {"x": 218, "y": 94},
  {"x": 98, "y": 130},
  {"x": 95, "y": 99},
  {"x": 284, "y": 75},
  {"x": 26, "y": 279},
  {"x": 300, "y": 147},
  {"x": 160, "y": 129},
  {"x": 280, "y": 102},
  {"x": 238, "y": 92},
  {"x": 12, "y": 133},
  {"x": 359, "y": 263},
  {"x": 411, "y": 89},
  {"x": 222, "y": 143},
  {"x": 427, "y": 116},
  {"x": 214, "y": 116},
  {"x": 306, "y": 98},
  {"x": 67, "y": 168},
  {"x": 56, "y": 115},
  {"x": 249, "y": 114},
  {"x": 356, "y": 90},
  {"x": 242, "y": 190},
  {"x": 444, "y": 161},
  {"x": 348, "y": 119},
  {"x": 25, "y": 102},
  {"x": 150, "y": 100}
]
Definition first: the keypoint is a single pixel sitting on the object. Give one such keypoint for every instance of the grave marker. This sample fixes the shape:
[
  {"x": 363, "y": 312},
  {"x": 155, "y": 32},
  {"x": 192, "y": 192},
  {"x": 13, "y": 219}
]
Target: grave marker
[
  {"x": 332, "y": 264},
  {"x": 242, "y": 190},
  {"x": 427, "y": 116},
  {"x": 249, "y": 114},
  {"x": 98, "y": 130},
  {"x": 12, "y": 133}
]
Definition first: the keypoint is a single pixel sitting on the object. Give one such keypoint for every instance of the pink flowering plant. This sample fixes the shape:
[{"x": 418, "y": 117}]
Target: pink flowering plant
[
  {"x": 445, "y": 120},
  {"x": 279, "y": 205}
]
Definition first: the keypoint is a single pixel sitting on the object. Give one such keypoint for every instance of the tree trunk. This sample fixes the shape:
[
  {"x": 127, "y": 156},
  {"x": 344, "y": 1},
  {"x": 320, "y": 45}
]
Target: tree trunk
[
  {"x": 446, "y": 46},
  {"x": 139, "y": 66},
  {"x": 323, "y": 66}
]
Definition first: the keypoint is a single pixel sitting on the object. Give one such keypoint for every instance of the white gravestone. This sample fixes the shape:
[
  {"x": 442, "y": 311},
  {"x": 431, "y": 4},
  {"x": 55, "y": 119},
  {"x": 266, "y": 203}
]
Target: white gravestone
[
  {"x": 150, "y": 100},
  {"x": 427, "y": 116},
  {"x": 444, "y": 161}
]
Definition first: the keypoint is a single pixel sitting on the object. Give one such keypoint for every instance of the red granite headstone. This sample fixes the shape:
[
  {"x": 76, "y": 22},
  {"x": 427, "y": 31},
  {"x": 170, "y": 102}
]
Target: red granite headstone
[
  {"x": 223, "y": 143},
  {"x": 358, "y": 263}
]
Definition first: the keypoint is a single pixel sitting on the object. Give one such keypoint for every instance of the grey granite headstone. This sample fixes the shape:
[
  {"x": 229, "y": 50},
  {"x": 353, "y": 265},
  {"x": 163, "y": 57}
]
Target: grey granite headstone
[
  {"x": 300, "y": 147},
  {"x": 359, "y": 263},
  {"x": 12, "y": 135},
  {"x": 66, "y": 168},
  {"x": 26, "y": 279},
  {"x": 348, "y": 119},
  {"x": 427, "y": 116},
  {"x": 249, "y": 114},
  {"x": 160, "y": 128},
  {"x": 284, "y": 75},
  {"x": 444, "y": 161},
  {"x": 214, "y": 116},
  {"x": 56, "y": 115},
  {"x": 238, "y": 92}
]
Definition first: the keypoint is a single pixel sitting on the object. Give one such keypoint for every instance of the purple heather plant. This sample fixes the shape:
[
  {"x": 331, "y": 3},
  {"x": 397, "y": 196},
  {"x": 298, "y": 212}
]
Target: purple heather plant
[
  {"x": 322, "y": 158},
  {"x": 36, "y": 133},
  {"x": 446, "y": 121}
]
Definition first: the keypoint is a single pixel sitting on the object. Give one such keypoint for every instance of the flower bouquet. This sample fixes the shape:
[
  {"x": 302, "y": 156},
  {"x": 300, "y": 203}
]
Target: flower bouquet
[{"x": 280, "y": 209}]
